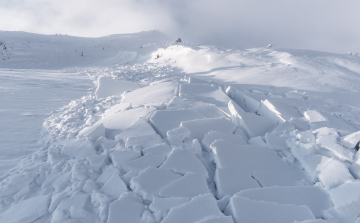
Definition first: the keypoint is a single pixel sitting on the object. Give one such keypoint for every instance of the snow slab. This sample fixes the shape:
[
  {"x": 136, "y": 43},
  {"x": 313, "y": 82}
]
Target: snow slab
[
  {"x": 26, "y": 211},
  {"x": 346, "y": 194},
  {"x": 143, "y": 162},
  {"x": 196, "y": 209},
  {"x": 114, "y": 187},
  {"x": 247, "y": 101},
  {"x": 61, "y": 211},
  {"x": 118, "y": 157},
  {"x": 355, "y": 169},
  {"x": 125, "y": 210},
  {"x": 95, "y": 131},
  {"x": 190, "y": 185},
  {"x": 246, "y": 157},
  {"x": 138, "y": 128},
  {"x": 78, "y": 148},
  {"x": 283, "y": 178},
  {"x": 275, "y": 142},
  {"x": 313, "y": 197},
  {"x": 107, "y": 174},
  {"x": 163, "y": 121},
  {"x": 217, "y": 219},
  {"x": 182, "y": 161},
  {"x": 313, "y": 164},
  {"x": 153, "y": 95},
  {"x": 116, "y": 108},
  {"x": 96, "y": 161},
  {"x": 244, "y": 210},
  {"x": 120, "y": 121},
  {"x": 351, "y": 140},
  {"x": 161, "y": 206},
  {"x": 177, "y": 136},
  {"x": 329, "y": 142},
  {"x": 108, "y": 87},
  {"x": 206, "y": 93},
  {"x": 151, "y": 180},
  {"x": 283, "y": 127},
  {"x": 231, "y": 181},
  {"x": 257, "y": 141},
  {"x": 143, "y": 141},
  {"x": 211, "y": 136},
  {"x": 333, "y": 174},
  {"x": 200, "y": 127},
  {"x": 253, "y": 125},
  {"x": 160, "y": 149}
]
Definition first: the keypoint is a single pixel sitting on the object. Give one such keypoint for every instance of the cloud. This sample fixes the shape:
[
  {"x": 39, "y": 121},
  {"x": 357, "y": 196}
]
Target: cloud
[{"x": 327, "y": 25}]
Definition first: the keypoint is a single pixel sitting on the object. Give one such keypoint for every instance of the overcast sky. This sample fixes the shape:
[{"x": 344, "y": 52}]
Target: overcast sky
[{"x": 327, "y": 25}]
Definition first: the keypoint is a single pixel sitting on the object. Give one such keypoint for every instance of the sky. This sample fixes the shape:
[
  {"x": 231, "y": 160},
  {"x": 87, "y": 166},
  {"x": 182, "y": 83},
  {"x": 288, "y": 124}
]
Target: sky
[{"x": 325, "y": 25}]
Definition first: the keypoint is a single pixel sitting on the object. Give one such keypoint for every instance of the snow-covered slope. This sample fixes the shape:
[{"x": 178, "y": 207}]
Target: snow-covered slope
[{"x": 186, "y": 133}]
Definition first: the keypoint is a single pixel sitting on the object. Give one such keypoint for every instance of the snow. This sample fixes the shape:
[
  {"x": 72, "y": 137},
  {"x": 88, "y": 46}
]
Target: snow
[
  {"x": 333, "y": 174},
  {"x": 160, "y": 149},
  {"x": 114, "y": 187},
  {"x": 95, "y": 131},
  {"x": 138, "y": 128},
  {"x": 108, "y": 87},
  {"x": 125, "y": 210},
  {"x": 211, "y": 136},
  {"x": 275, "y": 142},
  {"x": 78, "y": 148},
  {"x": 217, "y": 219},
  {"x": 346, "y": 194},
  {"x": 143, "y": 162},
  {"x": 177, "y": 136},
  {"x": 118, "y": 157},
  {"x": 143, "y": 141},
  {"x": 284, "y": 178},
  {"x": 351, "y": 140},
  {"x": 161, "y": 206}
]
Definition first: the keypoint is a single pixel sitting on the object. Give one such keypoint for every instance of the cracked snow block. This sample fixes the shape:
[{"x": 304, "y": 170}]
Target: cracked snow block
[
  {"x": 125, "y": 210},
  {"x": 346, "y": 194},
  {"x": 61, "y": 211},
  {"x": 217, "y": 219},
  {"x": 96, "y": 161},
  {"x": 165, "y": 120},
  {"x": 301, "y": 150},
  {"x": 257, "y": 141},
  {"x": 329, "y": 143},
  {"x": 27, "y": 211},
  {"x": 246, "y": 157},
  {"x": 177, "y": 136},
  {"x": 211, "y": 136},
  {"x": 151, "y": 180},
  {"x": 120, "y": 121},
  {"x": 108, "y": 87},
  {"x": 205, "y": 109},
  {"x": 313, "y": 164},
  {"x": 355, "y": 169},
  {"x": 13, "y": 184},
  {"x": 206, "y": 93},
  {"x": 231, "y": 181},
  {"x": 160, "y": 149},
  {"x": 198, "y": 208},
  {"x": 253, "y": 125},
  {"x": 118, "y": 157},
  {"x": 315, "y": 198},
  {"x": 95, "y": 131},
  {"x": 193, "y": 80},
  {"x": 301, "y": 124},
  {"x": 153, "y": 95},
  {"x": 190, "y": 185},
  {"x": 143, "y": 141},
  {"x": 107, "y": 174},
  {"x": 143, "y": 162},
  {"x": 247, "y": 101},
  {"x": 244, "y": 210},
  {"x": 351, "y": 141},
  {"x": 275, "y": 142},
  {"x": 116, "y": 108},
  {"x": 333, "y": 174},
  {"x": 200, "y": 127},
  {"x": 284, "y": 178},
  {"x": 138, "y": 128},
  {"x": 281, "y": 110},
  {"x": 283, "y": 127},
  {"x": 161, "y": 206},
  {"x": 114, "y": 187},
  {"x": 182, "y": 161},
  {"x": 78, "y": 148}
]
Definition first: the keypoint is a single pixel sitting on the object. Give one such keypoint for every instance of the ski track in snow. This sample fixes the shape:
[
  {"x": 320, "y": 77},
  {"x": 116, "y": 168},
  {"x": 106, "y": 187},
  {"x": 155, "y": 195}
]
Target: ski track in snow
[{"x": 178, "y": 132}]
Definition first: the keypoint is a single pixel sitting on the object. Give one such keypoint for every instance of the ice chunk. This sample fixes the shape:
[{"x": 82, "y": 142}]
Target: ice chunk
[
  {"x": 306, "y": 137},
  {"x": 283, "y": 127},
  {"x": 79, "y": 171},
  {"x": 150, "y": 181},
  {"x": 107, "y": 174},
  {"x": 26, "y": 211},
  {"x": 143, "y": 162},
  {"x": 182, "y": 161},
  {"x": 350, "y": 141},
  {"x": 313, "y": 164},
  {"x": 301, "y": 150},
  {"x": 161, "y": 149},
  {"x": 355, "y": 169},
  {"x": 257, "y": 141},
  {"x": 244, "y": 210},
  {"x": 313, "y": 197},
  {"x": 94, "y": 131},
  {"x": 329, "y": 142},
  {"x": 200, "y": 127},
  {"x": 275, "y": 142},
  {"x": 196, "y": 209},
  {"x": 108, "y": 87},
  {"x": 63, "y": 209},
  {"x": 253, "y": 125},
  {"x": 164, "y": 120},
  {"x": 154, "y": 95},
  {"x": 138, "y": 128},
  {"x": 190, "y": 185},
  {"x": 78, "y": 148},
  {"x": 295, "y": 94},
  {"x": 301, "y": 124},
  {"x": 315, "y": 116},
  {"x": 96, "y": 161},
  {"x": 118, "y": 157},
  {"x": 125, "y": 210},
  {"x": 247, "y": 101},
  {"x": 217, "y": 219},
  {"x": 114, "y": 187},
  {"x": 231, "y": 181},
  {"x": 161, "y": 206},
  {"x": 143, "y": 141},
  {"x": 223, "y": 202},
  {"x": 246, "y": 157},
  {"x": 177, "y": 136},
  {"x": 210, "y": 137},
  {"x": 346, "y": 194},
  {"x": 206, "y": 93},
  {"x": 120, "y": 121},
  {"x": 333, "y": 174},
  {"x": 283, "y": 178}
]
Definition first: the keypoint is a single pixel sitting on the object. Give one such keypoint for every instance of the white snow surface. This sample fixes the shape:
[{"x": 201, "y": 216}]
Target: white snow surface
[{"x": 155, "y": 131}]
